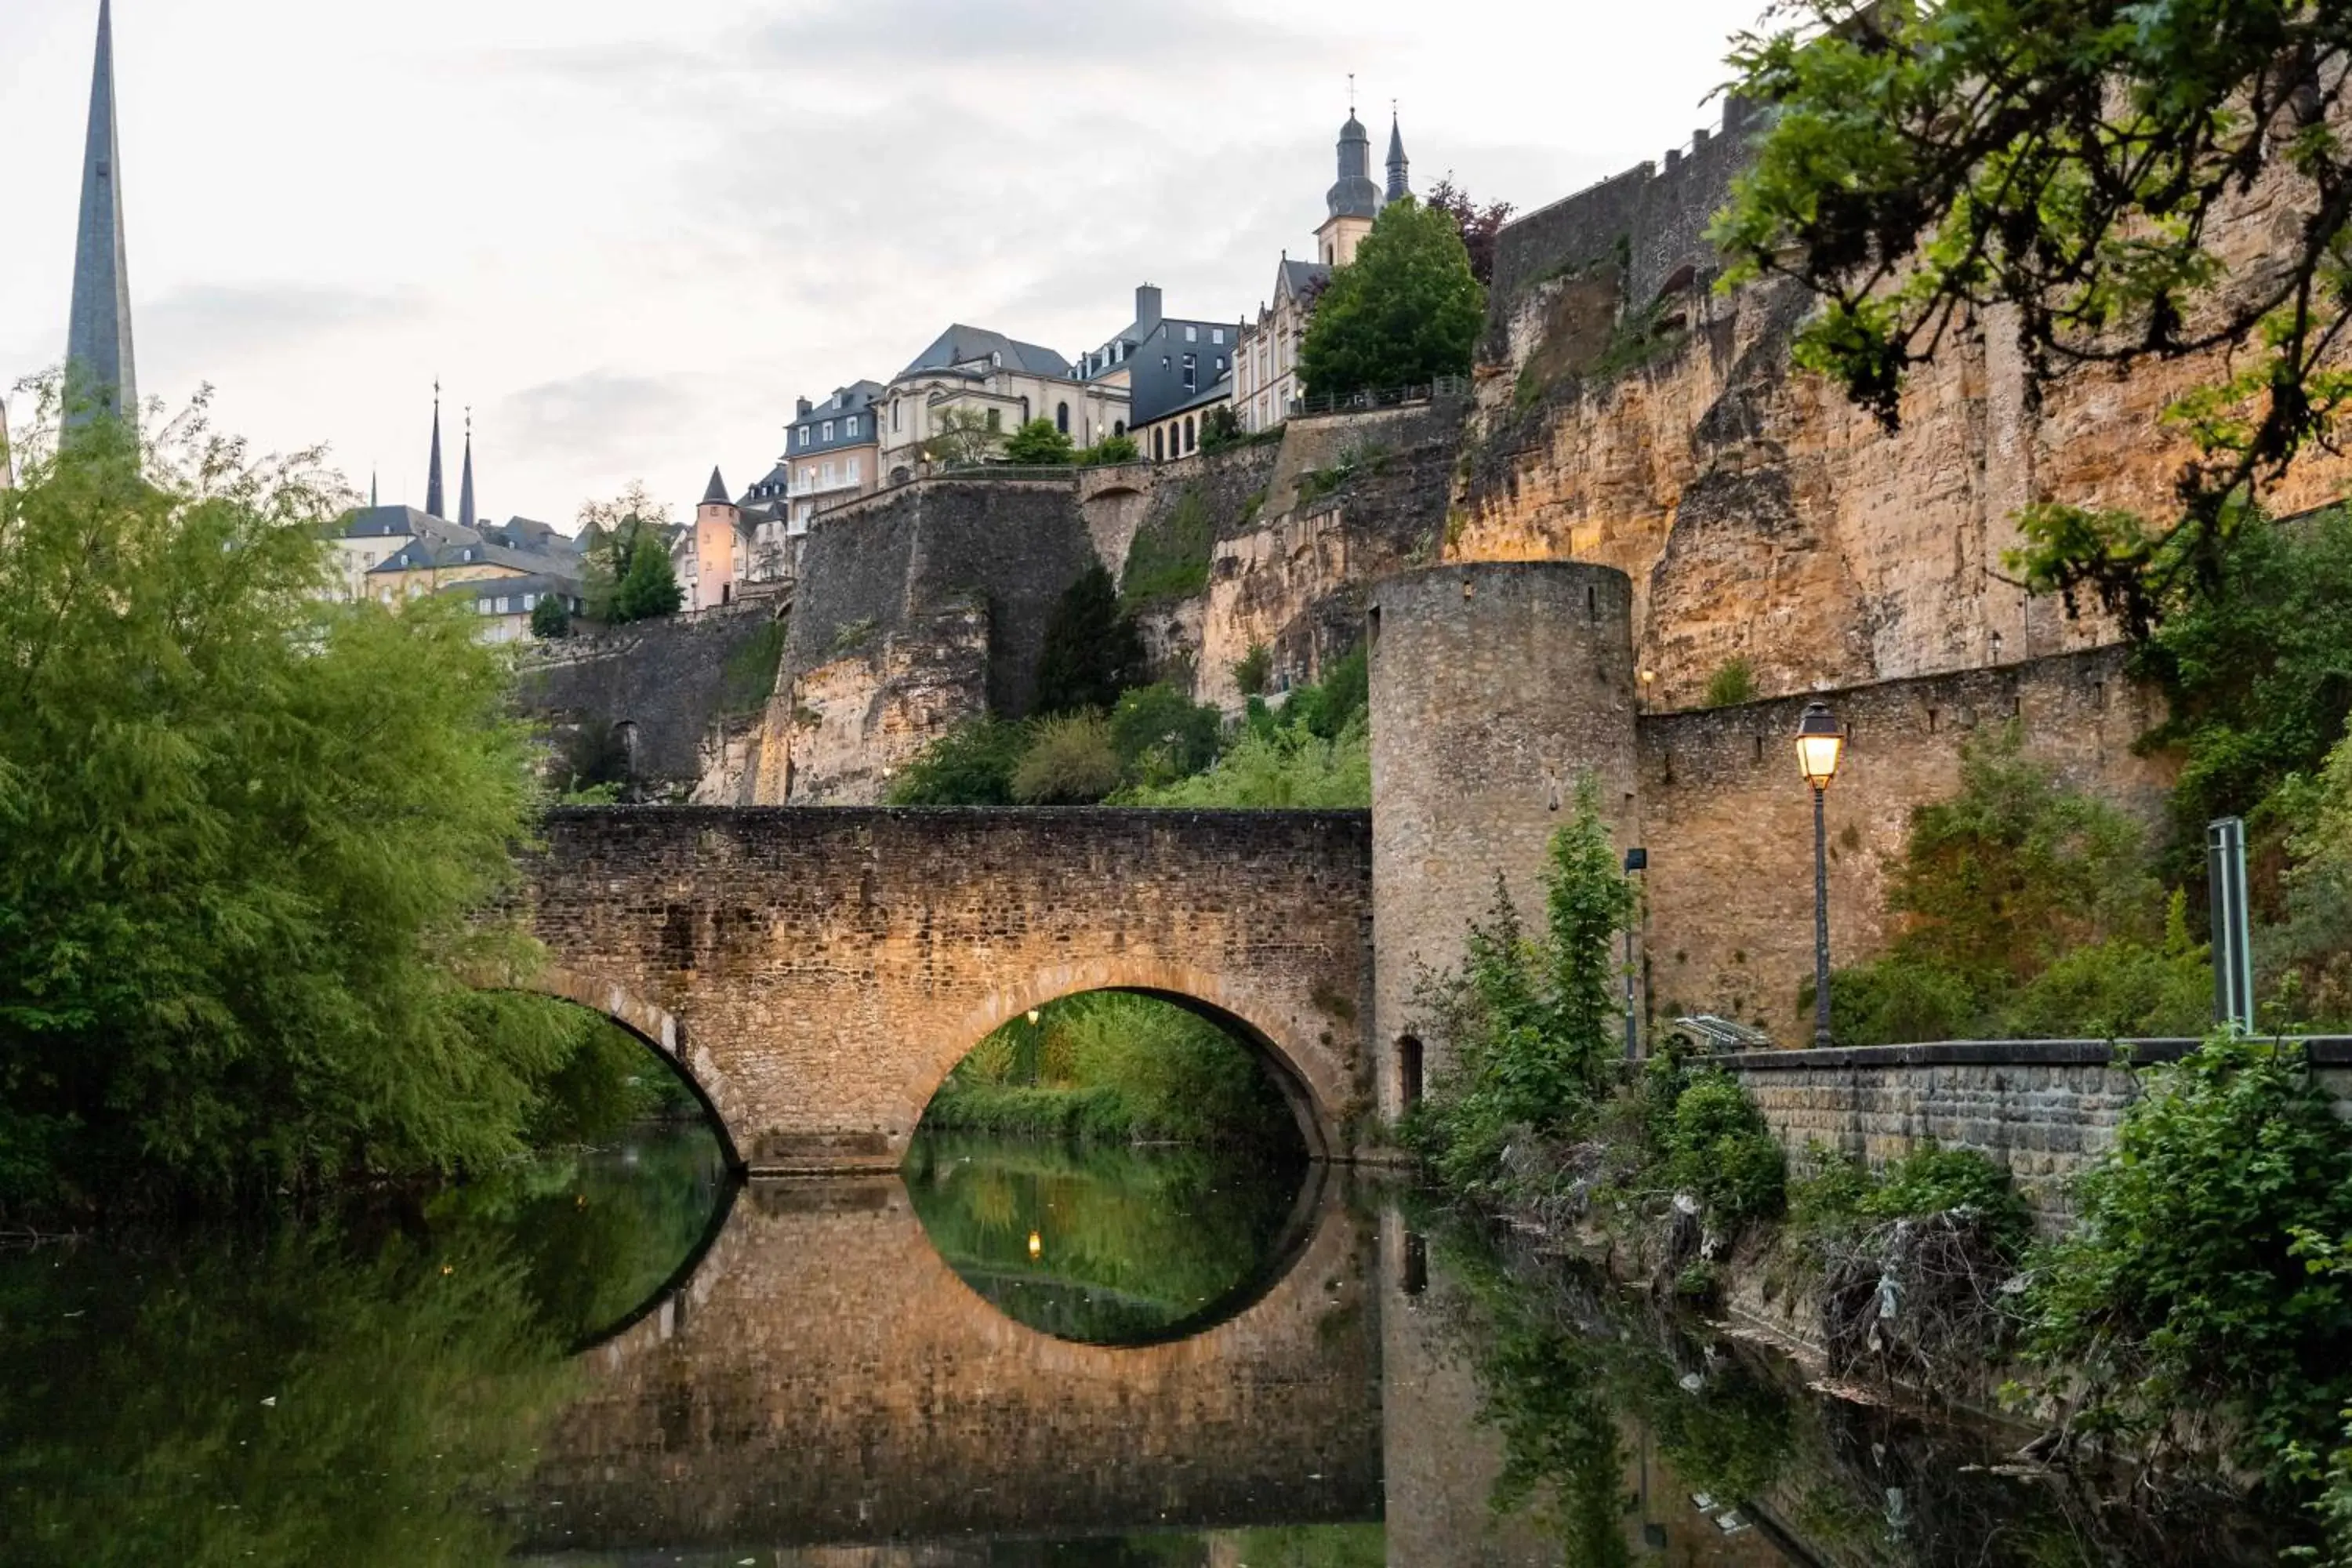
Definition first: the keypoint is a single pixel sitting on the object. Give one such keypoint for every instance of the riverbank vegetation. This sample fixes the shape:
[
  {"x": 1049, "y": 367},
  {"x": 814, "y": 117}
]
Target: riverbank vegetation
[
  {"x": 1111, "y": 1067},
  {"x": 2190, "y": 1317},
  {"x": 246, "y": 833},
  {"x": 1128, "y": 745}
]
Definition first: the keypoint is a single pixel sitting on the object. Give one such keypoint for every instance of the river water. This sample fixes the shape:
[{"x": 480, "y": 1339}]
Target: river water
[{"x": 1008, "y": 1355}]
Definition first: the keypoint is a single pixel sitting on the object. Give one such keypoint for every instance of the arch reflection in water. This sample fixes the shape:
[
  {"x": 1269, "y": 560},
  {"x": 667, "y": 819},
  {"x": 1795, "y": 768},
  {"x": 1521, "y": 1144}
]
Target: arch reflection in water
[{"x": 1112, "y": 1245}]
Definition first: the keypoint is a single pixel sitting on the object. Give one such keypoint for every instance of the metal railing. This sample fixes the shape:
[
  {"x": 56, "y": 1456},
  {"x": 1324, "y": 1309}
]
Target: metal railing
[{"x": 1443, "y": 388}]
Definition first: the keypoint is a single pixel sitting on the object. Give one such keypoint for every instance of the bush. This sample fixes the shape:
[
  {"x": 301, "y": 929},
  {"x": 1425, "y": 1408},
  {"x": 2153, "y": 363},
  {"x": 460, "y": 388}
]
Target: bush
[
  {"x": 1276, "y": 767},
  {"x": 1718, "y": 1148},
  {"x": 2188, "y": 1284},
  {"x": 1119, "y": 448},
  {"x": 969, "y": 766},
  {"x": 1931, "y": 1180},
  {"x": 1531, "y": 1024},
  {"x": 1733, "y": 683},
  {"x": 1328, "y": 707},
  {"x": 1253, "y": 669},
  {"x": 1162, "y": 735},
  {"x": 551, "y": 618},
  {"x": 1070, "y": 760},
  {"x": 1039, "y": 441}
]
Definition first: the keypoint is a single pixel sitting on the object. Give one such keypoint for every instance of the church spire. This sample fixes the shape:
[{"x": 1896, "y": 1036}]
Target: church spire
[
  {"x": 101, "y": 377},
  {"x": 466, "y": 484},
  {"x": 1397, "y": 168},
  {"x": 433, "y": 473}
]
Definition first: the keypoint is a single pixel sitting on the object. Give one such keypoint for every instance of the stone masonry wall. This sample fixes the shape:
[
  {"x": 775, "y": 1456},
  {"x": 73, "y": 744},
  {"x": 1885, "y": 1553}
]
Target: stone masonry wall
[
  {"x": 919, "y": 608},
  {"x": 664, "y": 677},
  {"x": 824, "y": 1378},
  {"x": 1728, "y": 822},
  {"x": 2045, "y": 1109},
  {"x": 825, "y": 968}
]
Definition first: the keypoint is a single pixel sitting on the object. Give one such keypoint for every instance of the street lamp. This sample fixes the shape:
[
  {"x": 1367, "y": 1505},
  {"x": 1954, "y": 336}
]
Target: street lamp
[{"x": 1819, "y": 742}]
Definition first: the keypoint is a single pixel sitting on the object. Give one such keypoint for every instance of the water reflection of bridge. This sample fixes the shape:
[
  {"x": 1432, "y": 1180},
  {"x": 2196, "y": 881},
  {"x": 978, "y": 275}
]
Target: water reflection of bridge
[{"x": 824, "y": 1378}]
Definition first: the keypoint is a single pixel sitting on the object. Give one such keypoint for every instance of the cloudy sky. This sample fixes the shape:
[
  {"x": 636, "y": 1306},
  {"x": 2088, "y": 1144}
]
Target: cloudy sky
[{"x": 629, "y": 234}]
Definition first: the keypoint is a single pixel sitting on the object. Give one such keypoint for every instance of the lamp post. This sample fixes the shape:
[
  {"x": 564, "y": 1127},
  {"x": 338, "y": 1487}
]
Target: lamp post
[{"x": 1819, "y": 743}]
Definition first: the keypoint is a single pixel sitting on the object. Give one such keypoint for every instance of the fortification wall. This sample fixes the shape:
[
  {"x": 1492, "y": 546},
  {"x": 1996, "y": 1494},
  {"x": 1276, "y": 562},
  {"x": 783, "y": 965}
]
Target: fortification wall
[
  {"x": 919, "y": 609},
  {"x": 650, "y": 696},
  {"x": 1728, "y": 822},
  {"x": 1493, "y": 689},
  {"x": 1631, "y": 416}
]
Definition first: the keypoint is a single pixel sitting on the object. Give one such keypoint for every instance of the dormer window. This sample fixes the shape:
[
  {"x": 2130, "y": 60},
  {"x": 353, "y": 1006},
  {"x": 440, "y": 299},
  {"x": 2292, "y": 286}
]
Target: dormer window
[
  {"x": 995, "y": 359},
  {"x": 803, "y": 435},
  {"x": 828, "y": 429}
]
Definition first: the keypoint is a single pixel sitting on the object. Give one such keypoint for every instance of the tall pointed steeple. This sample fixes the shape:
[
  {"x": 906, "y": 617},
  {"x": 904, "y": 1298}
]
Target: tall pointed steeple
[
  {"x": 100, "y": 376},
  {"x": 466, "y": 484},
  {"x": 1398, "y": 167},
  {"x": 373, "y": 500},
  {"x": 433, "y": 473}
]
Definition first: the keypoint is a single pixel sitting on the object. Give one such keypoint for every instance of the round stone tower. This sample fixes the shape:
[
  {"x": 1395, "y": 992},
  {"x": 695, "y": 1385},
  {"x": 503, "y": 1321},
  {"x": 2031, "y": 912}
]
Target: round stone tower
[{"x": 1495, "y": 688}]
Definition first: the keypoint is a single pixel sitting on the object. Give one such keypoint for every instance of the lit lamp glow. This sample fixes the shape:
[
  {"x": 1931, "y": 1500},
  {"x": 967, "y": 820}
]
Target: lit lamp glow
[
  {"x": 1033, "y": 1017},
  {"x": 1819, "y": 745},
  {"x": 1036, "y": 1245}
]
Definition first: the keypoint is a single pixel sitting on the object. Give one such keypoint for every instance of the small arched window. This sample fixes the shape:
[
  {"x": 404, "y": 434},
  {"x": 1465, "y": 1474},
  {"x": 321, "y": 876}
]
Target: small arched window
[
  {"x": 1118, "y": 426},
  {"x": 1187, "y": 433},
  {"x": 1158, "y": 450},
  {"x": 1062, "y": 417}
]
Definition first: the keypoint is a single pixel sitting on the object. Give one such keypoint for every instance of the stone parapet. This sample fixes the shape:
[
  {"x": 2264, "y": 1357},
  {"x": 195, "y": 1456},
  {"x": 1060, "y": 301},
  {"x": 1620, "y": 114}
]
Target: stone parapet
[{"x": 2045, "y": 1109}]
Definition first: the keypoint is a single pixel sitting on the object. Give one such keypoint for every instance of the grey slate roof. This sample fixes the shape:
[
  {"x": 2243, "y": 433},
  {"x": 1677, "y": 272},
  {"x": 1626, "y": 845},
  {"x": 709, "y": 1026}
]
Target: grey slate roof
[
  {"x": 960, "y": 344},
  {"x": 97, "y": 331},
  {"x": 1298, "y": 275},
  {"x": 1218, "y": 390},
  {"x": 477, "y": 589},
  {"x": 715, "y": 492},
  {"x": 1354, "y": 195}
]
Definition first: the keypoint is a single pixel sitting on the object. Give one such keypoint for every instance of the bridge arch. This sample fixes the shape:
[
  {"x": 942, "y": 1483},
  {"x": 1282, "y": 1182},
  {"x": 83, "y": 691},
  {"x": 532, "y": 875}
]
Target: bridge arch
[
  {"x": 1215, "y": 997},
  {"x": 656, "y": 1027}
]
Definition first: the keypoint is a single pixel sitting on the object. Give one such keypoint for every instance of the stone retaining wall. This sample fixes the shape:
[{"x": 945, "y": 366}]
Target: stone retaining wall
[{"x": 2045, "y": 1109}]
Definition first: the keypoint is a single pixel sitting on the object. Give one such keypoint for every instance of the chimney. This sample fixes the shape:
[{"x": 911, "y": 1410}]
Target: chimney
[
  {"x": 804, "y": 408},
  {"x": 1147, "y": 306}
]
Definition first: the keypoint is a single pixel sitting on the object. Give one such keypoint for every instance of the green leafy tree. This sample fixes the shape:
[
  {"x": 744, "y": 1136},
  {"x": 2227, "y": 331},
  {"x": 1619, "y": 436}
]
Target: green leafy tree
[
  {"x": 2081, "y": 164},
  {"x": 612, "y": 535},
  {"x": 962, "y": 437},
  {"x": 1406, "y": 311},
  {"x": 1278, "y": 766},
  {"x": 1119, "y": 448},
  {"x": 1481, "y": 227},
  {"x": 244, "y": 832},
  {"x": 1161, "y": 735},
  {"x": 1039, "y": 441},
  {"x": 1221, "y": 428},
  {"x": 649, "y": 588},
  {"x": 1092, "y": 650},
  {"x": 551, "y": 618},
  {"x": 1253, "y": 669},
  {"x": 969, "y": 766}
]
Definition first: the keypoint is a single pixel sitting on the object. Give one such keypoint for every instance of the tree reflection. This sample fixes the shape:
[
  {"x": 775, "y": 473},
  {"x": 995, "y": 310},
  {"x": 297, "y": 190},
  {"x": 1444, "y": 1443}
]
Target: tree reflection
[
  {"x": 1106, "y": 1245},
  {"x": 353, "y": 1391}
]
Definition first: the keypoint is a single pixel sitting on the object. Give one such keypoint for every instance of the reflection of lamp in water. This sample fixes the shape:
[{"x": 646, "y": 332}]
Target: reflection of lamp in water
[{"x": 1036, "y": 1245}]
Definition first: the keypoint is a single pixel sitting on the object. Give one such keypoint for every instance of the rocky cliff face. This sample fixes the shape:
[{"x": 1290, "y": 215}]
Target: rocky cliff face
[{"x": 1632, "y": 416}]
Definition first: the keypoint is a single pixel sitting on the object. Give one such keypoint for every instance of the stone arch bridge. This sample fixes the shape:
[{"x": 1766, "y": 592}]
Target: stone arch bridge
[{"x": 817, "y": 972}]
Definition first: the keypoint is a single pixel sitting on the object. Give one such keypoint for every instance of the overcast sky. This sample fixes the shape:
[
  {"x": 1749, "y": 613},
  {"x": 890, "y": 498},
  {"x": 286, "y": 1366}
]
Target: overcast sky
[{"x": 629, "y": 234}]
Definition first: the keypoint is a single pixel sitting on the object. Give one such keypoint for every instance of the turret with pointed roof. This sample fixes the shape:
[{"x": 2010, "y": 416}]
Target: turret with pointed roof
[
  {"x": 1354, "y": 195},
  {"x": 101, "y": 373},
  {"x": 433, "y": 472},
  {"x": 714, "y": 493},
  {"x": 466, "y": 483},
  {"x": 1398, "y": 167}
]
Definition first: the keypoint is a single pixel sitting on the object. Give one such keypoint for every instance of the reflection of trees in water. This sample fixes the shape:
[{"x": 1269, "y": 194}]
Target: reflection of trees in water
[
  {"x": 599, "y": 1234},
  {"x": 1573, "y": 1372},
  {"x": 1129, "y": 1242},
  {"x": 410, "y": 1361}
]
